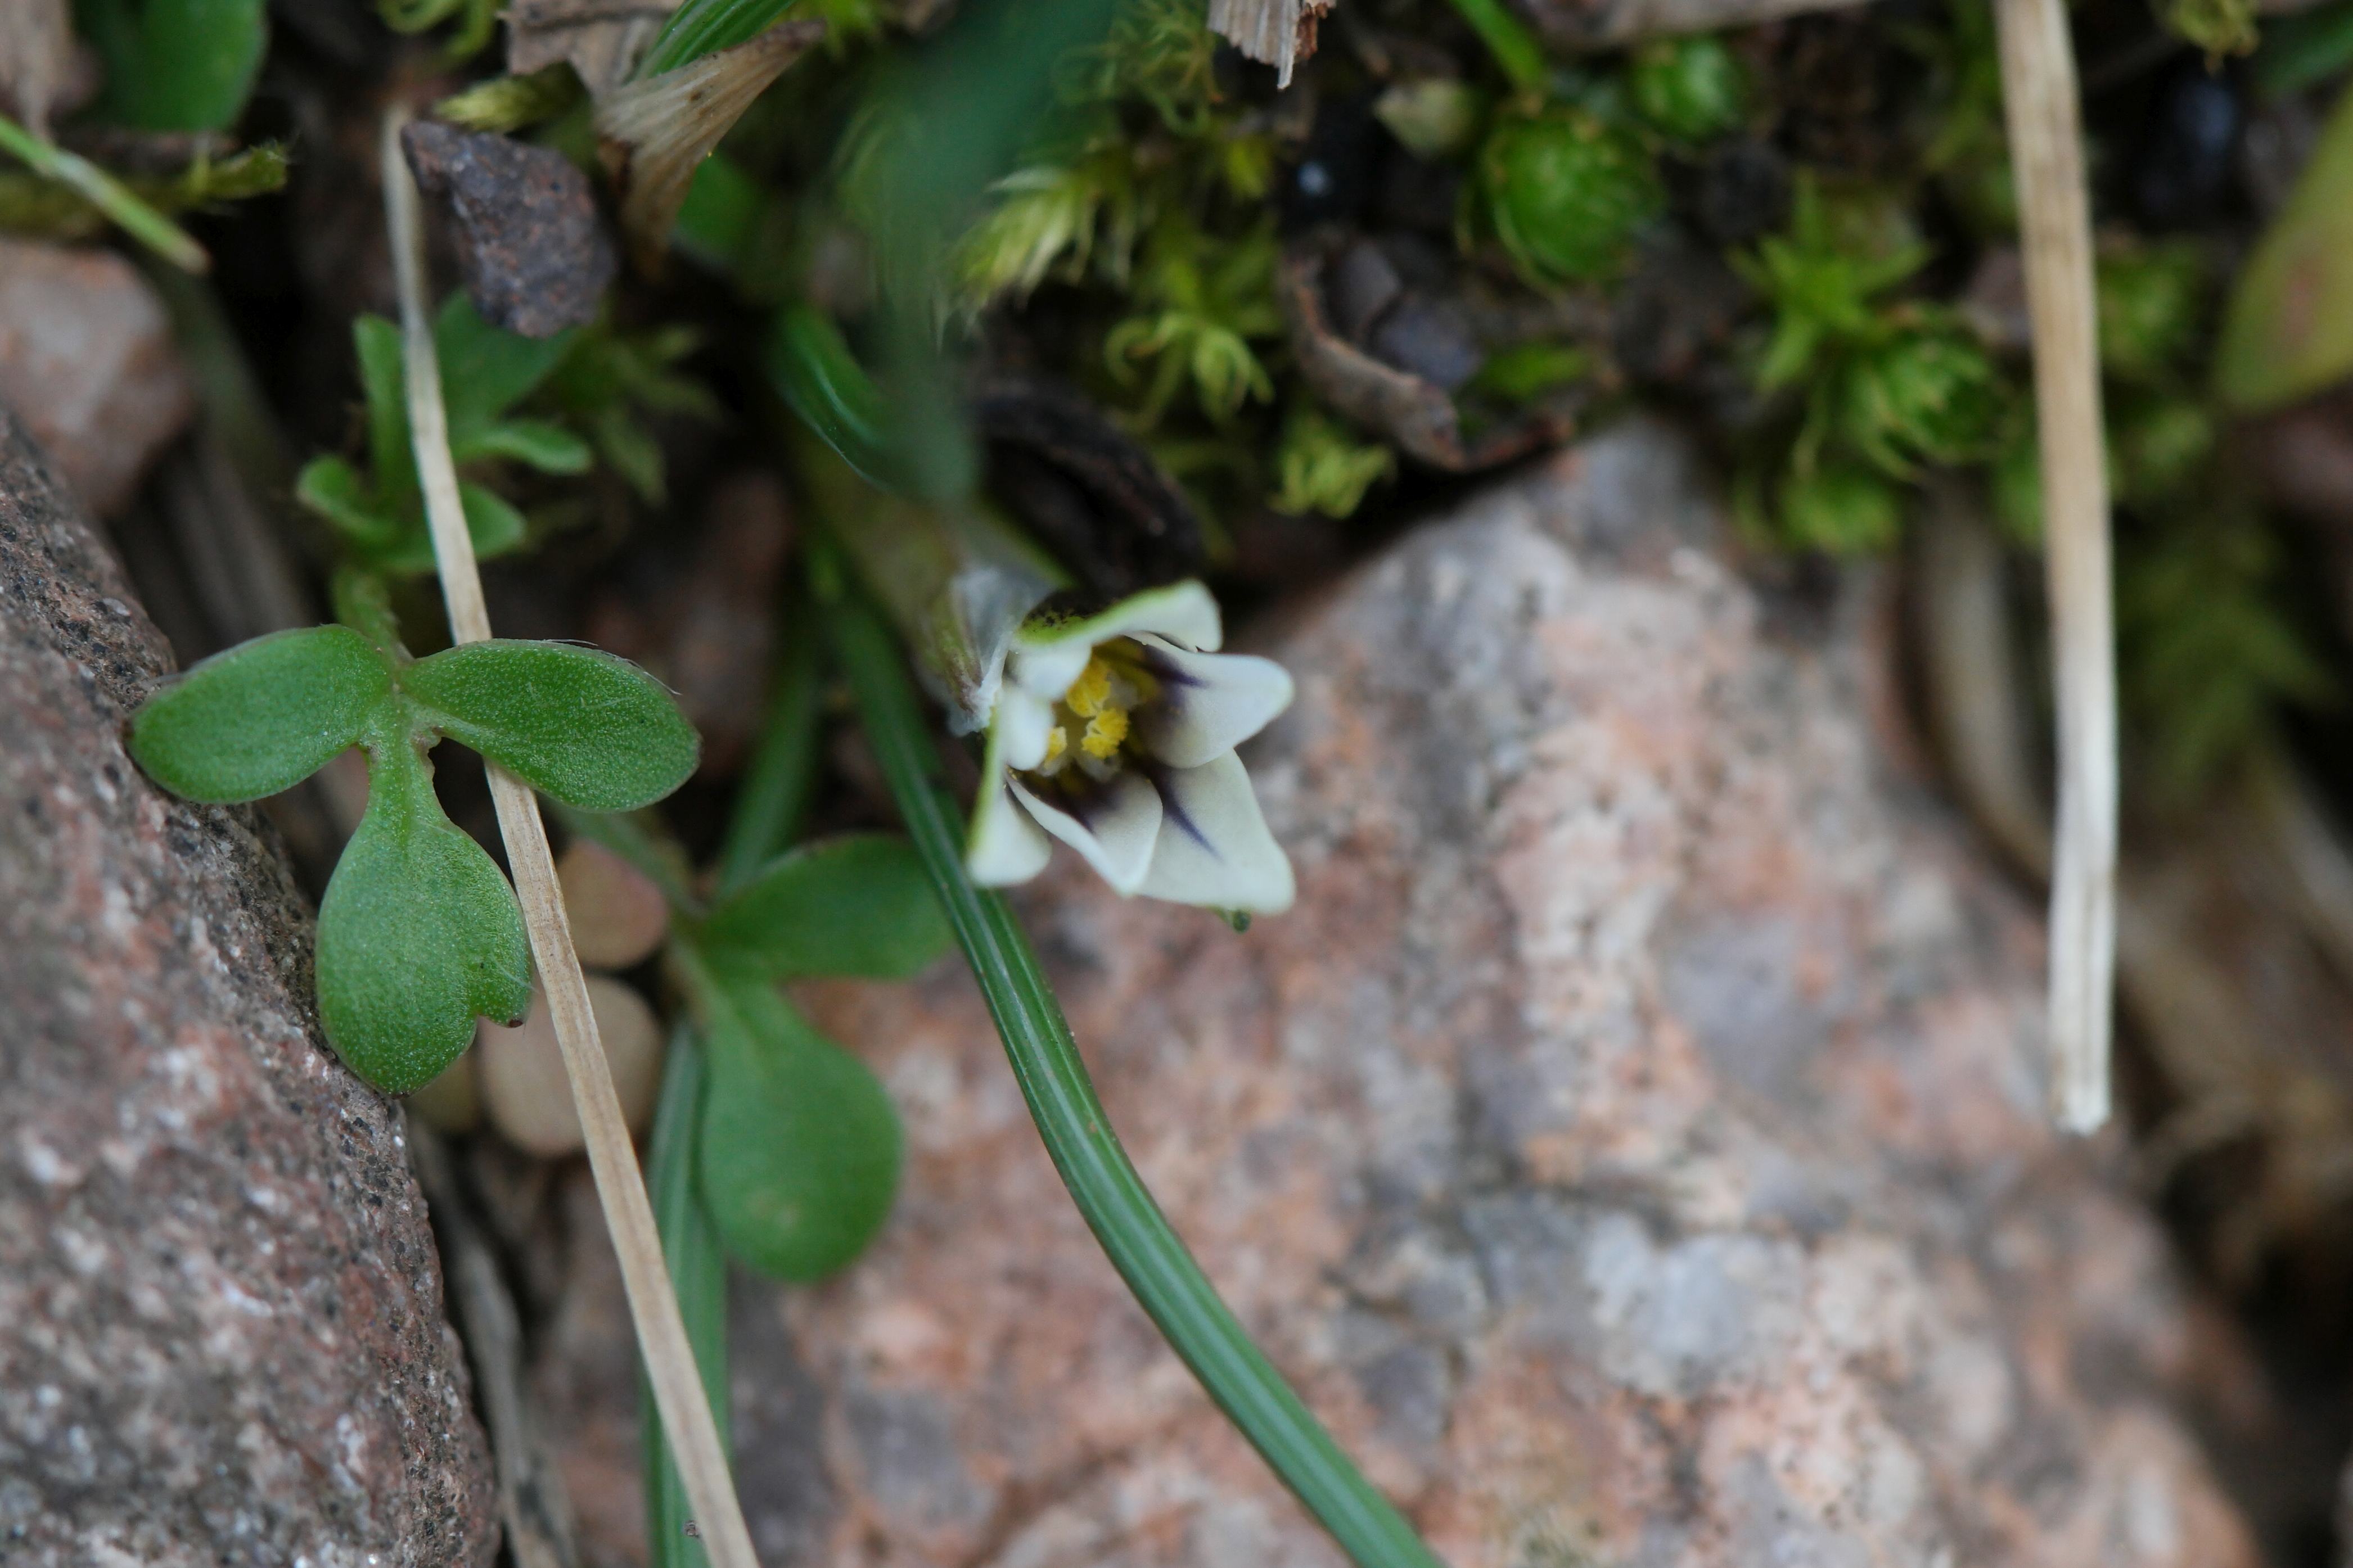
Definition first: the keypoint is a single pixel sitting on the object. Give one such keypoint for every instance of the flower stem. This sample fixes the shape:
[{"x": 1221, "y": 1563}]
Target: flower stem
[{"x": 1076, "y": 1132}]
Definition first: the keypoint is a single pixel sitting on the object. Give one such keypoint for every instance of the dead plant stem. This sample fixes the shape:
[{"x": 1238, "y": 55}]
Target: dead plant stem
[
  {"x": 2046, "y": 150},
  {"x": 620, "y": 1187}
]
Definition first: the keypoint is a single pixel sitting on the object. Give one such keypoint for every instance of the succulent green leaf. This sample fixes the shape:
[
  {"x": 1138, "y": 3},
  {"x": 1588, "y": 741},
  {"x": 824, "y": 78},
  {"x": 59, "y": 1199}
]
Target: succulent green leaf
[
  {"x": 800, "y": 1149},
  {"x": 2288, "y": 331},
  {"x": 418, "y": 934},
  {"x": 1566, "y": 193},
  {"x": 1689, "y": 88},
  {"x": 580, "y": 725},
  {"x": 175, "y": 65},
  {"x": 859, "y": 904},
  {"x": 550, "y": 448},
  {"x": 261, "y": 717}
]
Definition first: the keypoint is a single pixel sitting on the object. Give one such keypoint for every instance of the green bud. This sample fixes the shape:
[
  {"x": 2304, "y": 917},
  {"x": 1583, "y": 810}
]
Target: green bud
[
  {"x": 2217, "y": 26},
  {"x": 1566, "y": 193},
  {"x": 1323, "y": 470},
  {"x": 1434, "y": 119},
  {"x": 1689, "y": 89},
  {"x": 1923, "y": 396},
  {"x": 1840, "y": 508}
]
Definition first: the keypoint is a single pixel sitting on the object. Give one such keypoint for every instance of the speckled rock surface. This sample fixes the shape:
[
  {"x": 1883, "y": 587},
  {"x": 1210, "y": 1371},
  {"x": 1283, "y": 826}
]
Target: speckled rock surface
[
  {"x": 221, "y": 1329},
  {"x": 1631, "y": 1143},
  {"x": 87, "y": 362}
]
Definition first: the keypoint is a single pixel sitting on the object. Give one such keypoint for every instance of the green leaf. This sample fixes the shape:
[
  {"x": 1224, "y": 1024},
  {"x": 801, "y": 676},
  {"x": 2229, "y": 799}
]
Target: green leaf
[
  {"x": 261, "y": 717},
  {"x": 419, "y": 934},
  {"x": 856, "y": 905},
  {"x": 175, "y": 65},
  {"x": 800, "y": 1148},
  {"x": 723, "y": 209},
  {"x": 550, "y": 448},
  {"x": 492, "y": 523},
  {"x": 334, "y": 488},
  {"x": 2288, "y": 331},
  {"x": 376, "y": 344},
  {"x": 580, "y": 725},
  {"x": 487, "y": 370}
]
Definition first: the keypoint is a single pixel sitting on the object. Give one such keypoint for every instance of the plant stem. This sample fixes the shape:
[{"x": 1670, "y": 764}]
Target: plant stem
[
  {"x": 669, "y": 1356},
  {"x": 1076, "y": 1132},
  {"x": 2046, "y": 149},
  {"x": 698, "y": 1272},
  {"x": 107, "y": 193},
  {"x": 775, "y": 789}
]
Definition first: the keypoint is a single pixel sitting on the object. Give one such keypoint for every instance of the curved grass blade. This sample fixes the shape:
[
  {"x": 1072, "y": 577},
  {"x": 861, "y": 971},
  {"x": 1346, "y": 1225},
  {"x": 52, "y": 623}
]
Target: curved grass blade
[
  {"x": 123, "y": 208},
  {"x": 776, "y": 787},
  {"x": 1078, "y": 1134},
  {"x": 702, "y": 27}
]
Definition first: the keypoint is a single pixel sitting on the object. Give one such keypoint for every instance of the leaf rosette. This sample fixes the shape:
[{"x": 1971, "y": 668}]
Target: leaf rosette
[{"x": 420, "y": 933}]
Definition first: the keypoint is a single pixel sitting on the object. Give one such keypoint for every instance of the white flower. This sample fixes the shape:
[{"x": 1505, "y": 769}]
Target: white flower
[{"x": 1116, "y": 734}]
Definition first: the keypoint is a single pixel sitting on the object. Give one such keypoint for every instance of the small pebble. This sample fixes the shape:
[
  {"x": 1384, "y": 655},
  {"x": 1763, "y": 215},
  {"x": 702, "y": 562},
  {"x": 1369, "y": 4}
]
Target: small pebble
[
  {"x": 618, "y": 916},
  {"x": 523, "y": 1086}
]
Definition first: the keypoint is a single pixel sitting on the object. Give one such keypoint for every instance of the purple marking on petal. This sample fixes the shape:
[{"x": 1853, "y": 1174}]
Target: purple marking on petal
[
  {"x": 1166, "y": 671},
  {"x": 1172, "y": 812}
]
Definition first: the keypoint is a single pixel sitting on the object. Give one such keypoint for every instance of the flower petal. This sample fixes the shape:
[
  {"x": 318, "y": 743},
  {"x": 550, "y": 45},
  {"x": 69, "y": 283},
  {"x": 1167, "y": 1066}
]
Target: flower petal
[
  {"x": 1182, "y": 612},
  {"x": 1214, "y": 848},
  {"x": 1005, "y": 846},
  {"x": 1208, "y": 702},
  {"x": 1113, "y": 827},
  {"x": 1018, "y": 730}
]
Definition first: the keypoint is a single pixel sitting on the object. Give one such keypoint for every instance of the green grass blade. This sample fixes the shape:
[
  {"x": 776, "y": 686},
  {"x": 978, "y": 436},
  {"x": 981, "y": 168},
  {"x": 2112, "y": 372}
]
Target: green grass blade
[
  {"x": 702, "y": 27},
  {"x": 1078, "y": 1133},
  {"x": 775, "y": 789},
  {"x": 698, "y": 1272},
  {"x": 1515, "y": 47},
  {"x": 107, "y": 193}
]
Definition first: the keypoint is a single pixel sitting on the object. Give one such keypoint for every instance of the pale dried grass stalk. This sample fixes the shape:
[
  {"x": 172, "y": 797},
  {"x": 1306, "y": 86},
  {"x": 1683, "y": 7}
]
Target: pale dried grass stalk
[
  {"x": 620, "y": 1187},
  {"x": 1278, "y": 33},
  {"x": 2046, "y": 150}
]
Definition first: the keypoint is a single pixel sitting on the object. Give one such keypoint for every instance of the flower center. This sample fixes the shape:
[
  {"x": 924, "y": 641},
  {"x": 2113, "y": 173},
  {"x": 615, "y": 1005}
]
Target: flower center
[{"x": 1093, "y": 716}]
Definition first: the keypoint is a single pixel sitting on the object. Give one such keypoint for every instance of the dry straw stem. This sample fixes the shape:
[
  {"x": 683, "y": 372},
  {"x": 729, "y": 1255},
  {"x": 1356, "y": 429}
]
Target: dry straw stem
[
  {"x": 2046, "y": 150},
  {"x": 620, "y": 1187}
]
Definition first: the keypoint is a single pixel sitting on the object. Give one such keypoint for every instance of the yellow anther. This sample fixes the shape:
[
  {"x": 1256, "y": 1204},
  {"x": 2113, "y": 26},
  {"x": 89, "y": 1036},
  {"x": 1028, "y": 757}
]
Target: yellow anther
[
  {"x": 1091, "y": 690},
  {"x": 1057, "y": 740},
  {"x": 1105, "y": 731}
]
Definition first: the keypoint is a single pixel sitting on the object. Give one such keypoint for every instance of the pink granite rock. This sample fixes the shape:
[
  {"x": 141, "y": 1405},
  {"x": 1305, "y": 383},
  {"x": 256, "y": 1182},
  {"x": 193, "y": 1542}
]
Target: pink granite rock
[
  {"x": 221, "y": 1328},
  {"x": 87, "y": 362},
  {"x": 1631, "y": 1143}
]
